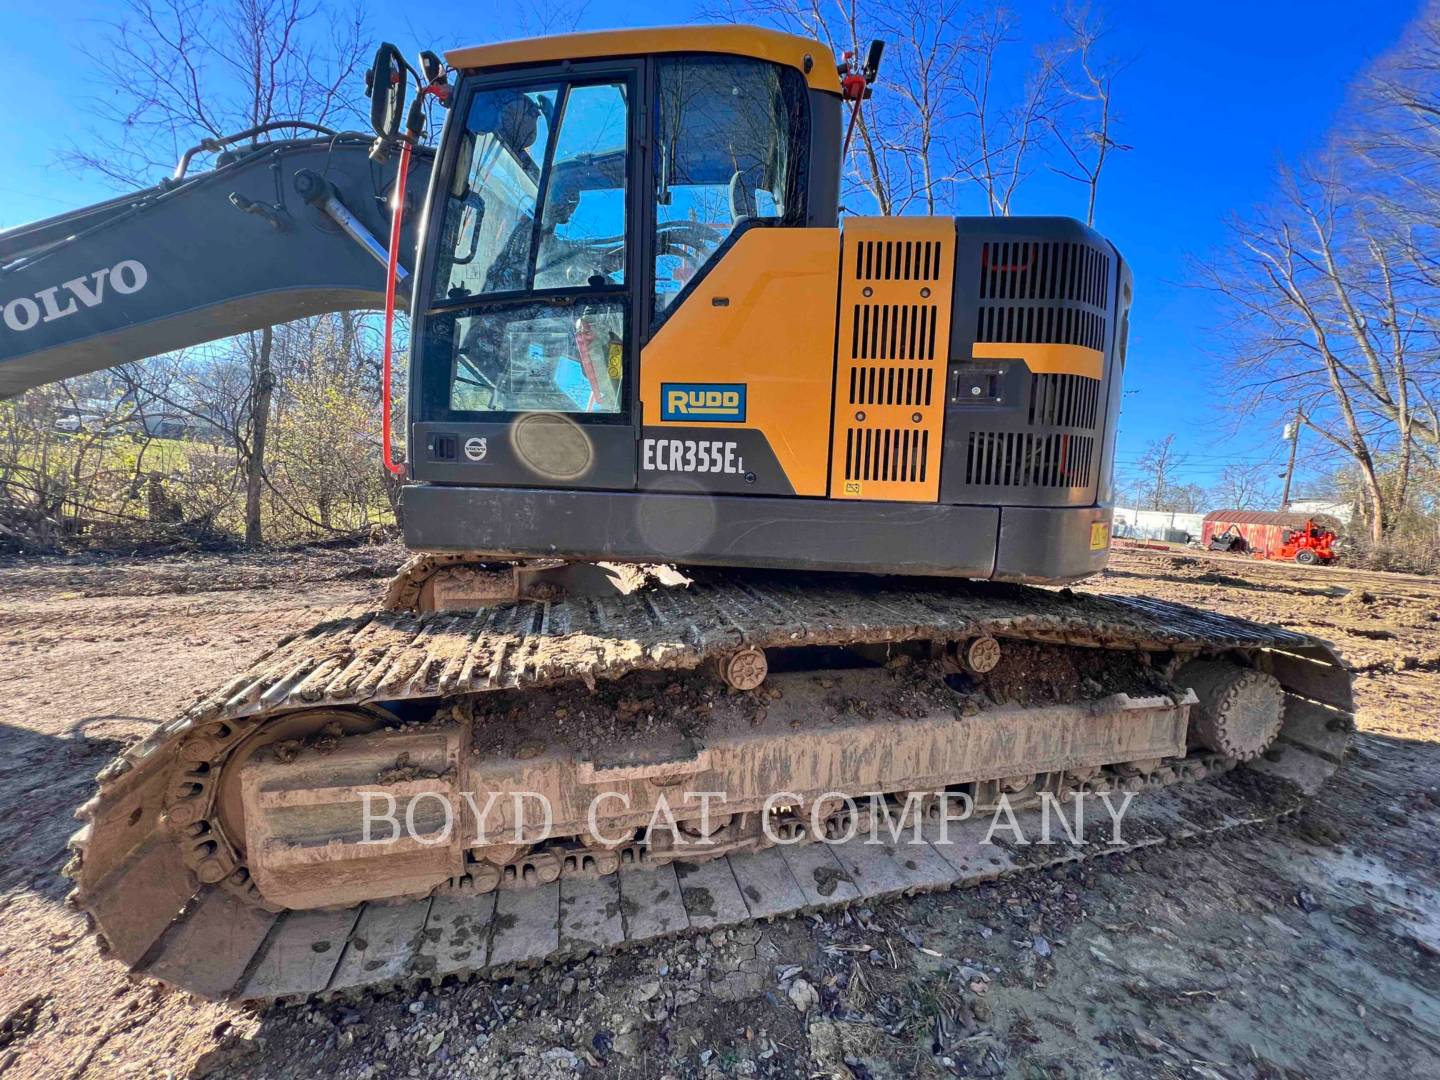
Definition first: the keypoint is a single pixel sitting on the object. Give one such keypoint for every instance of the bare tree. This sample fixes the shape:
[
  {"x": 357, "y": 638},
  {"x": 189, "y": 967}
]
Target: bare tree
[
  {"x": 259, "y": 348},
  {"x": 1088, "y": 81},
  {"x": 1329, "y": 293},
  {"x": 961, "y": 102},
  {"x": 910, "y": 133},
  {"x": 1322, "y": 324},
  {"x": 1005, "y": 132},
  {"x": 1244, "y": 487},
  {"x": 175, "y": 73},
  {"x": 1187, "y": 499},
  {"x": 1396, "y": 132},
  {"x": 1157, "y": 476},
  {"x": 170, "y": 73},
  {"x": 535, "y": 18}
]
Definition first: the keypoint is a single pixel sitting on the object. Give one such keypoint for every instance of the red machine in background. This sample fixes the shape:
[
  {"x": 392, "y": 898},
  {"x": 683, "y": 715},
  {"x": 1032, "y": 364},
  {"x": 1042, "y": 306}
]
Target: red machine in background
[{"x": 1270, "y": 535}]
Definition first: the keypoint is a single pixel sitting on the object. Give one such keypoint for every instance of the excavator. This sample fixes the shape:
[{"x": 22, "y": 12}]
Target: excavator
[{"x": 712, "y": 491}]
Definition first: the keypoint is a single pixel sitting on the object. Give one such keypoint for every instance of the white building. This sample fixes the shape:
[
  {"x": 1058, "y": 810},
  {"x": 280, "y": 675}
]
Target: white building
[
  {"x": 1167, "y": 525},
  {"x": 1340, "y": 511}
]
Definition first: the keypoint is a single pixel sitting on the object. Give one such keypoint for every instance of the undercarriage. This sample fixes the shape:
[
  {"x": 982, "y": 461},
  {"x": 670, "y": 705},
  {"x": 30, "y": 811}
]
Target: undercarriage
[{"x": 550, "y": 775}]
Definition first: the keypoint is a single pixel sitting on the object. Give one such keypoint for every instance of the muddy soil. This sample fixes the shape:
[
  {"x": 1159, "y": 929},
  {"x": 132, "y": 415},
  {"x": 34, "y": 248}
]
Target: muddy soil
[{"x": 1311, "y": 948}]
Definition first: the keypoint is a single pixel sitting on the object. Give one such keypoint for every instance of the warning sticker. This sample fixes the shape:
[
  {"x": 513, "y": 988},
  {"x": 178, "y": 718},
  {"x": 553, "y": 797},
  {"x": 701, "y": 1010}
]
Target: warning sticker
[{"x": 1099, "y": 536}]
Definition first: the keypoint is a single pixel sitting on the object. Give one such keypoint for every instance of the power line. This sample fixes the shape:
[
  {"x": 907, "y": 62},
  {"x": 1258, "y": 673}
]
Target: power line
[
  {"x": 1207, "y": 459},
  {"x": 36, "y": 195},
  {"x": 1206, "y": 464},
  {"x": 1189, "y": 458},
  {"x": 1202, "y": 467}
]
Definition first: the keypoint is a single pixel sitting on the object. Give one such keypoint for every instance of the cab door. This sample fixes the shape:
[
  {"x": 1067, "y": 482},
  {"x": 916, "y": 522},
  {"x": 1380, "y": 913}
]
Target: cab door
[
  {"x": 524, "y": 353},
  {"x": 736, "y": 375}
]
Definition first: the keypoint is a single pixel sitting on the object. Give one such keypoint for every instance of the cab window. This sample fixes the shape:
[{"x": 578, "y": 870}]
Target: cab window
[
  {"x": 582, "y": 234},
  {"x": 564, "y": 144},
  {"x": 488, "y": 226},
  {"x": 530, "y": 276},
  {"x": 539, "y": 358},
  {"x": 730, "y": 139}
]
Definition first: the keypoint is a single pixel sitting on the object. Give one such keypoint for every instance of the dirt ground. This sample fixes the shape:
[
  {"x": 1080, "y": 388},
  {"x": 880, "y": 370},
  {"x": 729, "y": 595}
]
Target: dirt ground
[{"x": 1311, "y": 948}]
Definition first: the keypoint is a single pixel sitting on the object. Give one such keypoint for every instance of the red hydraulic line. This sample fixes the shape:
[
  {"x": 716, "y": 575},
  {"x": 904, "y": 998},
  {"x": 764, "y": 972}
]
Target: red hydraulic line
[{"x": 397, "y": 216}]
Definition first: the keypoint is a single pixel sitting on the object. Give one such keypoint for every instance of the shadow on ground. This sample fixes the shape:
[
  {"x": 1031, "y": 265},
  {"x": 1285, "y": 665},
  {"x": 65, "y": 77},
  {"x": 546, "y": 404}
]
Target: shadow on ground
[{"x": 43, "y": 778}]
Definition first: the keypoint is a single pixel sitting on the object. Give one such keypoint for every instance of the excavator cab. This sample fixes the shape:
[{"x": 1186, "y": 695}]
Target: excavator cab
[
  {"x": 576, "y": 204},
  {"x": 642, "y": 333}
]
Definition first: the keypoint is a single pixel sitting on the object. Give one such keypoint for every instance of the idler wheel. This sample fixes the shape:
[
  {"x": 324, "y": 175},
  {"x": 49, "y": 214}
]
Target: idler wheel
[{"x": 1240, "y": 709}]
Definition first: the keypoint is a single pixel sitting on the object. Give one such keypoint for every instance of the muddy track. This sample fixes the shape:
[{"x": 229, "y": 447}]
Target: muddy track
[{"x": 159, "y": 920}]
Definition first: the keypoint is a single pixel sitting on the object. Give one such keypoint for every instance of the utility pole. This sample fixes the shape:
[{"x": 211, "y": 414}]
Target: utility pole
[{"x": 1292, "y": 432}]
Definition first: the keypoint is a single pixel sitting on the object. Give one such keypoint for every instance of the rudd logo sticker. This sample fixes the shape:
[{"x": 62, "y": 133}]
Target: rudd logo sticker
[
  {"x": 126, "y": 277},
  {"x": 717, "y": 402}
]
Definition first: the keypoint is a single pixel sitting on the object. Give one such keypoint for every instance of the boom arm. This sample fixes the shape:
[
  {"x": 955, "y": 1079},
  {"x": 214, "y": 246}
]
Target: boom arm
[{"x": 276, "y": 232}]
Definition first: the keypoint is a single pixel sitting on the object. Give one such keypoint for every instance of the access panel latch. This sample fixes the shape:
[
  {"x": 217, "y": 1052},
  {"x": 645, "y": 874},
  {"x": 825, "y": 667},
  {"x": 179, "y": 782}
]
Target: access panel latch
[{"x": 977, "y": 386}]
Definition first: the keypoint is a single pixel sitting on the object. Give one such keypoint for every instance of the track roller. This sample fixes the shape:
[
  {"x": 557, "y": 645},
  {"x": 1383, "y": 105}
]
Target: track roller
[
  {"x": 744, "y": 670},
  {"x": 978, "y": 656}
]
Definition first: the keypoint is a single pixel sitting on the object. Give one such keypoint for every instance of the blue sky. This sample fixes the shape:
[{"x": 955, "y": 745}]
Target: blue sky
[{"x": 1217, "y": 96}]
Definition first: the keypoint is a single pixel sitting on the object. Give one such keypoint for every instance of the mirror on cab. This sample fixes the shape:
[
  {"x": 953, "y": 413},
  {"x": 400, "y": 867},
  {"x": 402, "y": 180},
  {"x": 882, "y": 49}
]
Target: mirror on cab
[{"x": 386, "y": 89}]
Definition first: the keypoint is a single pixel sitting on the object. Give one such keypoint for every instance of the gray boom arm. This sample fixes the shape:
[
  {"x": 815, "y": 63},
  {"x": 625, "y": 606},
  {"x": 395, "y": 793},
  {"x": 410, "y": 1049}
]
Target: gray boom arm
[{"x": 277, "y": 232}]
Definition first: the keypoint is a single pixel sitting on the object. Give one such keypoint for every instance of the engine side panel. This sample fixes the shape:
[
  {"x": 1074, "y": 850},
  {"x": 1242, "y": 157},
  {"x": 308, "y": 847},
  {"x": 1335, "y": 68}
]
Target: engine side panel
[{"x": 966, "y": 368}]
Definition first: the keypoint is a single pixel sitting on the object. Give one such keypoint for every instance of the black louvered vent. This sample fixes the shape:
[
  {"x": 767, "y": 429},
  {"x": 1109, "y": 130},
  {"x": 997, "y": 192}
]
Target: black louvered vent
[
  {"x": 1064, "y": 401},
  {"x": 890, "y": 384},
  {"x": 898, "y": 260},
  {"x": 1051, "y": 271},
  {"x": 895, "y": 455},
  {"x": 1046, "y": 325},
  {"x": 1025, "y": 459},
  {"x": 1051, "y": 293}
]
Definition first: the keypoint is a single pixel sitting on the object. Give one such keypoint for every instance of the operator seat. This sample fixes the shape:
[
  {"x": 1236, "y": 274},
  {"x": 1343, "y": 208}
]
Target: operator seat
[{"x": 743, "y": 204}]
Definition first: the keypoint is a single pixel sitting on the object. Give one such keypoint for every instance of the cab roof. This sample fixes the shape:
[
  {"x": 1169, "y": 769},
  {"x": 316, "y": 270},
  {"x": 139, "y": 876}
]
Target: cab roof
[{"x": 762, "y": 44}]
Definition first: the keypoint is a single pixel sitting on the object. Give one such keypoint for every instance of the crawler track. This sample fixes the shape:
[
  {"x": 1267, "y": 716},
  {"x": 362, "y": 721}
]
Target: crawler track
[{"x": 197, "y": 924}]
